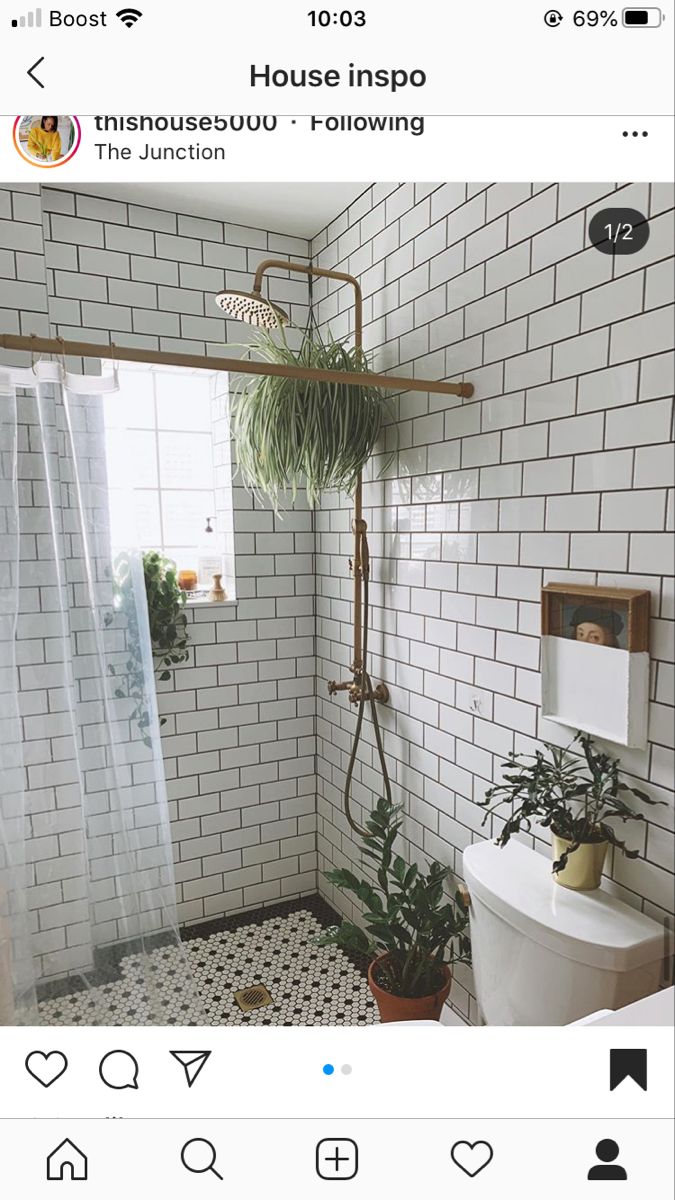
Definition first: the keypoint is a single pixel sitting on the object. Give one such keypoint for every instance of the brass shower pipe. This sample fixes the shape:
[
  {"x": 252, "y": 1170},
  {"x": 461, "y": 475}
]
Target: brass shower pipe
[
  {"x": 360, "y": 561},
  {"x": 359, "y": 527}
]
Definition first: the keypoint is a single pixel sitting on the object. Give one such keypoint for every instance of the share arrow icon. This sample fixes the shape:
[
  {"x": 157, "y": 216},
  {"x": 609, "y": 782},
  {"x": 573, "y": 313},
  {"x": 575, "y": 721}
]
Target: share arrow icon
[{"x": 191, "y": 1061}]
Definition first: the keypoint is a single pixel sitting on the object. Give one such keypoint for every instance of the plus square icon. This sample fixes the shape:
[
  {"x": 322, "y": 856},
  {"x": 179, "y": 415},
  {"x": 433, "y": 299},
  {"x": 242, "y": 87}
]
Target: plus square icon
[{"x": 337, "y": 1158}]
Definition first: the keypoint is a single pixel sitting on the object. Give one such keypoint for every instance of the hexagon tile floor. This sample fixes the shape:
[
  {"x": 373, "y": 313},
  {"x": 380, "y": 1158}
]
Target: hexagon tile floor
[{"x": 195, "y": 984}]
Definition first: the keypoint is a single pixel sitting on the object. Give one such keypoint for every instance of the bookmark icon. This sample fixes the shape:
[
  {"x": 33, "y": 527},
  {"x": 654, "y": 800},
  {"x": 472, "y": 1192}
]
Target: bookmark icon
[
  {"x": 191, "y": 1061},
  {"x": 627, "y": 1064}
]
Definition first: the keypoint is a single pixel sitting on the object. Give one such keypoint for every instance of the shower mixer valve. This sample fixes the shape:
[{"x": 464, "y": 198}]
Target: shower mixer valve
[{"x": 353, "y": 687}]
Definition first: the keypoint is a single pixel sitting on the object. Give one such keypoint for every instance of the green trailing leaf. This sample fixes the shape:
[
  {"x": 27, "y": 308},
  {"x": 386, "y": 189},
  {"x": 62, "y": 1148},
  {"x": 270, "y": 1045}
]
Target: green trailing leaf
[
  {"x": 575, "y": 797},
  {"x": 168, "y": 628},
  {"x": 410, "y": 918},
  {"x": 294, "y": 433}
]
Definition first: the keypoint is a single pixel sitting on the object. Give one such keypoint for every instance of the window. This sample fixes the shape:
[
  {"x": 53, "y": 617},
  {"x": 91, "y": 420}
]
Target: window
[{"x": 169, "y": 468}]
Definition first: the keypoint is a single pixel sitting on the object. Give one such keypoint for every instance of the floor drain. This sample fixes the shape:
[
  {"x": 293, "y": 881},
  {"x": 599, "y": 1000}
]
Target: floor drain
[{"x": 253, "y": 997}]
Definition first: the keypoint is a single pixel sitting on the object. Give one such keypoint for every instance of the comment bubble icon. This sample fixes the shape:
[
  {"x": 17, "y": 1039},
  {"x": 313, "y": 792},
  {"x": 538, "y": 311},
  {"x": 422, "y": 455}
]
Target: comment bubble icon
[{"x": 119, "y": 1070}]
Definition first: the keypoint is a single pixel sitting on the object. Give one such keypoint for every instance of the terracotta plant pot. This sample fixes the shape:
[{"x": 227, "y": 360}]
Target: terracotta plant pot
[
  {"x": 583, "y": 872},
  {"x": 405, "y": 1008}
]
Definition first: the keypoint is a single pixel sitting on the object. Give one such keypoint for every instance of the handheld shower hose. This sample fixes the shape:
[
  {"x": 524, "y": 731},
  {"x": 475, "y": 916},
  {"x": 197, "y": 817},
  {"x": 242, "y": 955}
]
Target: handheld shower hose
[{"x": 366, "y": 695}]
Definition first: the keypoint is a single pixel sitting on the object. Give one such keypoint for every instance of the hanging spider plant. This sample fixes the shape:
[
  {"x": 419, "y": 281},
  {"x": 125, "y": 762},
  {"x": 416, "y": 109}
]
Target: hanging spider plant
[{"x": 291, "y": 433}]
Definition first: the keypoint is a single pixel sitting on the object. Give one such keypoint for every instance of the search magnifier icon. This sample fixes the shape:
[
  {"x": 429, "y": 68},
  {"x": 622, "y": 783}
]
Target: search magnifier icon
[{"x": 199, "y": 1156}]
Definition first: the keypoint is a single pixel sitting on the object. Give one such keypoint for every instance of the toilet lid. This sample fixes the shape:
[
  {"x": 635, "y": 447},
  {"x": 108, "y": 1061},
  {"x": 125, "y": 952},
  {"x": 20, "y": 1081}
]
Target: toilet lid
[{"x": 594, "y": 928}]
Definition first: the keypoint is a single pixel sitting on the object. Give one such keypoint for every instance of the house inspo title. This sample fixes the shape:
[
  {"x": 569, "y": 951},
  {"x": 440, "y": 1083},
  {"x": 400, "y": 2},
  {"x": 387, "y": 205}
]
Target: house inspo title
[{"x": 393, "y": 79}]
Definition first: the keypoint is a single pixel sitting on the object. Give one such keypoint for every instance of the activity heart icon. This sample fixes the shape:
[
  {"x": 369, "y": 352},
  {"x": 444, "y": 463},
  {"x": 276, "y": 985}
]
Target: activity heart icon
[
  {"x": 46, "y": 1068},
  {"x": 471, "y": 1157}
]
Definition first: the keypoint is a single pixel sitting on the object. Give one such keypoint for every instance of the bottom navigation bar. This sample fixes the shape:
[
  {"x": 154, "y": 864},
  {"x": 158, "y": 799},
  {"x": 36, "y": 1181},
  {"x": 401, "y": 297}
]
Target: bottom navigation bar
[{"x": 181, "y": 1158}]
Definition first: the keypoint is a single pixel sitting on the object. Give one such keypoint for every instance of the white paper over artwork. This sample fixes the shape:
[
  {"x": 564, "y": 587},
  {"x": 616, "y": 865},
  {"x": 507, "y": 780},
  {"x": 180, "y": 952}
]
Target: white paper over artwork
[{"x": 599, "y": 689}]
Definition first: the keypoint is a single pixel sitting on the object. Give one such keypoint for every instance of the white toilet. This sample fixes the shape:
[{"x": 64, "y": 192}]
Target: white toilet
[{"x": 545, "y": 955}]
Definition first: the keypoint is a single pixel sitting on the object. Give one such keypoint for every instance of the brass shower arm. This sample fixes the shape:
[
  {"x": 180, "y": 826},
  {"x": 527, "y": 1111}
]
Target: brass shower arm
[{"x": 271, "y": 264}]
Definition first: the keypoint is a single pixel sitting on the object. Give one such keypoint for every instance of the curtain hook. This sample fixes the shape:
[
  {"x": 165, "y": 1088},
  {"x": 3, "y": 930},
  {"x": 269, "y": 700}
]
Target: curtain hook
[
  {"x": 115, "y": 364},
  {"x": 34, "y": 356},
  {"x": 62, "y": 343}
]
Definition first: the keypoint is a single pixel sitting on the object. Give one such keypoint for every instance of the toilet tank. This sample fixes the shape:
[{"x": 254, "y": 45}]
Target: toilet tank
[{"x": 546, "y": 955}]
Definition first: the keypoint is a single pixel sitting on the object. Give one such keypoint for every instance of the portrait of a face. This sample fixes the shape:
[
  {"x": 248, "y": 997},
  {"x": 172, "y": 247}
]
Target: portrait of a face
[
  {"x": 601, "y": 621},
  {"x": 599, "y": 635},
  {"x": 596, "y": 626}
]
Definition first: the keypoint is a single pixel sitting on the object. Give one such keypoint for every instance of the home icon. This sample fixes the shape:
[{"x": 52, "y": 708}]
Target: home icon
[{"x": 66, "y": 1162}]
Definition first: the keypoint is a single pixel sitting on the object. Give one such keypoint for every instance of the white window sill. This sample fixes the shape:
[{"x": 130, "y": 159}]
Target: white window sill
[{"x": 204, "y": 602}]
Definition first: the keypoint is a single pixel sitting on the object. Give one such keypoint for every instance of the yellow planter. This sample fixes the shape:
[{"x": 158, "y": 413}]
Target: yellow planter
[{"x": 584, "y": 866}]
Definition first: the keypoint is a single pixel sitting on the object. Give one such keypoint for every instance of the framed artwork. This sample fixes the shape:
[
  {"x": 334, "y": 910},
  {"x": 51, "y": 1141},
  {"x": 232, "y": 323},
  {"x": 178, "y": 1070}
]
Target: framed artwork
[{"x": 595, "y": 660}]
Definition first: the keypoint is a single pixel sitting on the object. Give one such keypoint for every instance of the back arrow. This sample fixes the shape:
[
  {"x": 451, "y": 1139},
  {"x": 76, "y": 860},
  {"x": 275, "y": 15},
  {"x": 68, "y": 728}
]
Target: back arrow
[{"x": 30, "y": 70}]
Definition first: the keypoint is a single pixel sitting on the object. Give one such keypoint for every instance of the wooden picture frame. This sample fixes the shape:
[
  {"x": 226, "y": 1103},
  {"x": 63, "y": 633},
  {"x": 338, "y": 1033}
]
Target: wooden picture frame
[
  {"x": 630, "y": 604},
  {"x": 595, "y": 660}
]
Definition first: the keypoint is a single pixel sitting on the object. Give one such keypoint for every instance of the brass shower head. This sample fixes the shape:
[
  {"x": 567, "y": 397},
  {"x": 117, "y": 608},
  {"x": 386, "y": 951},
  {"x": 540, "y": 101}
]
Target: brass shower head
[{"x": 253, "y": 308}]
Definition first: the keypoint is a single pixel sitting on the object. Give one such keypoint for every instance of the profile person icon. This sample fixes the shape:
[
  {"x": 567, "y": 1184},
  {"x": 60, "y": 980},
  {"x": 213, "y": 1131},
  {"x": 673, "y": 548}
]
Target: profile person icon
[{"x": 607, "y": 1151}]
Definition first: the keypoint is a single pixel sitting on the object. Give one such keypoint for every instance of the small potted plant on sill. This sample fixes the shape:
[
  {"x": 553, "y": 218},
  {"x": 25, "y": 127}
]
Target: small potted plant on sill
[
  {"x": 413, "y": 931},
  {"x": 576, "y": 798}
]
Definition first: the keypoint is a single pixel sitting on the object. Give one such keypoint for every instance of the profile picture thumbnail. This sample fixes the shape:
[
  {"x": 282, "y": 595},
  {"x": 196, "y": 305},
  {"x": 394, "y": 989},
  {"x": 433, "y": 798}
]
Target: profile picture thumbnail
[{"x": 47, "y": 141}]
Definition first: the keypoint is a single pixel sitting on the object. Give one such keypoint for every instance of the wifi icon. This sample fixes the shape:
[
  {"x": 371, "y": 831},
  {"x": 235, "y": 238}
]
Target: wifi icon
[{"x": 129, "y": 16}]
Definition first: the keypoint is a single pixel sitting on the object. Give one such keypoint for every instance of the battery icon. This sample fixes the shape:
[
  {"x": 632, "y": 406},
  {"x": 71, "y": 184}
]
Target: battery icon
[{"x": 642, "y": 18}]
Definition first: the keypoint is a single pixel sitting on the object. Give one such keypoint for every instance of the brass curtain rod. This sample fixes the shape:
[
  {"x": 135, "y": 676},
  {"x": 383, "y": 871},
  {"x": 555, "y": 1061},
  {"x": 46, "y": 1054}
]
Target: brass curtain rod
[{"x": 239, "y": 366}]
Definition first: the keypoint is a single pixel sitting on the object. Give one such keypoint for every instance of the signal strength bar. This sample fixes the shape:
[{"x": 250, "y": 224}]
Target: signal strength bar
[{"x": 32, "y": 20}]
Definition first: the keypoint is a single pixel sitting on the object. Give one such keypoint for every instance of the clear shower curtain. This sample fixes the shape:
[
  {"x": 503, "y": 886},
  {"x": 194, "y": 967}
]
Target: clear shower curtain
[{"x": 88, "y": 926}]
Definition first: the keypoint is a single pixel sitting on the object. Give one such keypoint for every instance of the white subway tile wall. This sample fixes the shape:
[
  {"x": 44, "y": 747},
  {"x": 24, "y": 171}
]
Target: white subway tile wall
[{"x": 558, "y": 468}]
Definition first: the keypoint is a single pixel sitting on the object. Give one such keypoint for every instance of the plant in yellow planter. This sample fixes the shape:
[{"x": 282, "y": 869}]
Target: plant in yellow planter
[
  {"x": 413, "y": 931},
  {"x": 576, "y": 798}
]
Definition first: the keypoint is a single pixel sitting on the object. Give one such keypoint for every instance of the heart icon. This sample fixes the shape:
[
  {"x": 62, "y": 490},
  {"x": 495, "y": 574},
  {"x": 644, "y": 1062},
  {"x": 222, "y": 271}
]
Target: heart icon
[
  {"x": 471, "y": 1157},
  {"x": 46, "y": 1068}
]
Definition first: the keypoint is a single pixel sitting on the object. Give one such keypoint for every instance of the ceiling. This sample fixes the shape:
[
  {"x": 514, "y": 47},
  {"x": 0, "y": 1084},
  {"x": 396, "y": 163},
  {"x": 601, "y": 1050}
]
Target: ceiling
[{"x": 301, "y": 209}]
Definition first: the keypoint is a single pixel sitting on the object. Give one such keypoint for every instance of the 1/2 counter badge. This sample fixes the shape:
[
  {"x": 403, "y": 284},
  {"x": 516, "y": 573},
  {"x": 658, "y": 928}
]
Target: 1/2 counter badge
[{"x": 619, "y": 231}]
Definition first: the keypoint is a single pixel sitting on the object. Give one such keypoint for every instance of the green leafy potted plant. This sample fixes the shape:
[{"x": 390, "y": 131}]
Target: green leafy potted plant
[
  {"x": 168, "y": 628},
  {"x": 576, "y": 798},
  {"x": 291, "y": 433},
  {"x": 413, "y": 932}
]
